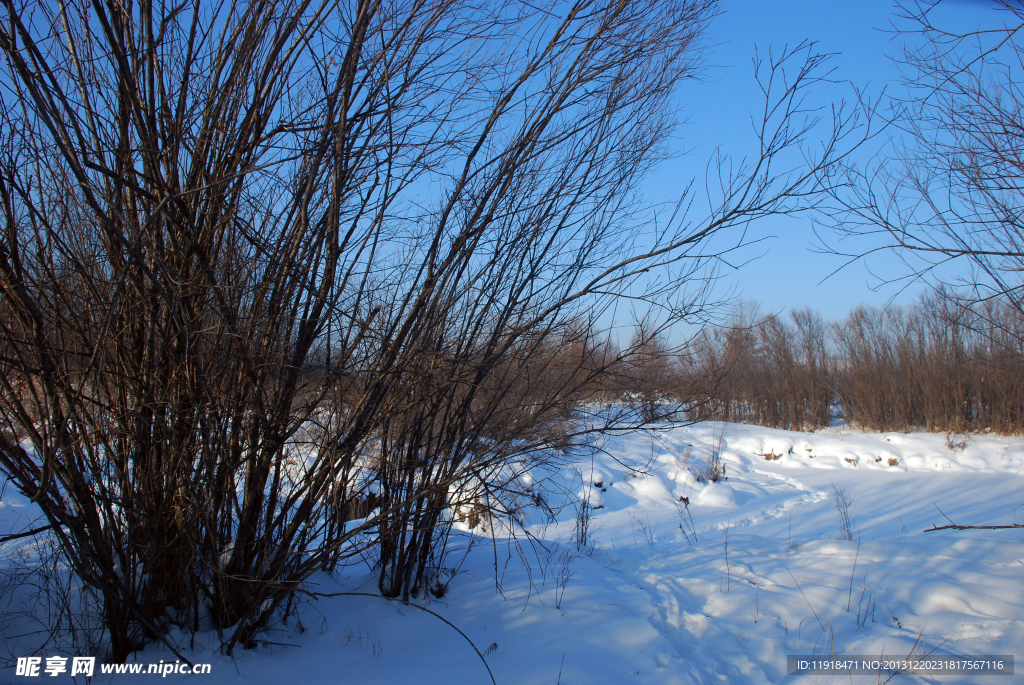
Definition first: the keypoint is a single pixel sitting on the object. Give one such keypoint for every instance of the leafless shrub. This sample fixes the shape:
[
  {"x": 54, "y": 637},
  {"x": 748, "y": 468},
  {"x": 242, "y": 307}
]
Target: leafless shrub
[
  {"x": 866, "y": 605},
  {"x": 582, "y": 536},
  {"x": 714, "y": 467},
  {"x": 956, "y": 441},
  {"x": 686, "y": 525},
  {"x": 229, "y": 317},
  {"x": 644, "y": 528},
  {"x": 362, "y": 639},
  {"x": 842, "y": 501},
  {"x": 563, "y": 574}
]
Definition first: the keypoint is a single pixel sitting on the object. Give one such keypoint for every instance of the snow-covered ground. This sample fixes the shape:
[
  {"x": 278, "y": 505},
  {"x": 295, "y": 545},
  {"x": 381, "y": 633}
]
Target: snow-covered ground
[{"x": 717, "y": 589}]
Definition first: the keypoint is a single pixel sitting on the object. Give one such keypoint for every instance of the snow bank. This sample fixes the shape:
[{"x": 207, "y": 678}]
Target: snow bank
[{"x": 651, "y": 604}]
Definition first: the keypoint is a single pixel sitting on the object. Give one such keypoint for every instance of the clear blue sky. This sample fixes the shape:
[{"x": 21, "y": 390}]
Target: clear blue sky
[{"x": 784, "y": 272}]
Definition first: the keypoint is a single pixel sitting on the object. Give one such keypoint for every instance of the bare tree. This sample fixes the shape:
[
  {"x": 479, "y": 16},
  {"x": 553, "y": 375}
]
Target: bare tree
[
  {"x": 945, "y": 193},
  {"x": 284, "y": 282},
  {"x": 196, "y": 200}
]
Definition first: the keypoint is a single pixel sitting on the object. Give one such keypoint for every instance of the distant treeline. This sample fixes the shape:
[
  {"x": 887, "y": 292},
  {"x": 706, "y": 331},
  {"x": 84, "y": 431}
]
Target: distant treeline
[{"x": 937, "y": 365}]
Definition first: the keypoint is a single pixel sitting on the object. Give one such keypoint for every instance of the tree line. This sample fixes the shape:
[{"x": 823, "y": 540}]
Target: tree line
[{"x": 937, "y": 365}]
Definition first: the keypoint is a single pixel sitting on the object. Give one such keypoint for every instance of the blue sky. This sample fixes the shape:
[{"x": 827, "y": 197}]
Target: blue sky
[{"x": 783, "y": 271}]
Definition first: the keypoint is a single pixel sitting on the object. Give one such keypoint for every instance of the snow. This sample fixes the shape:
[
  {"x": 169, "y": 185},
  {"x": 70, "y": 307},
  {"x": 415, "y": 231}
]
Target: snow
[{"x": 766, "y": 577}]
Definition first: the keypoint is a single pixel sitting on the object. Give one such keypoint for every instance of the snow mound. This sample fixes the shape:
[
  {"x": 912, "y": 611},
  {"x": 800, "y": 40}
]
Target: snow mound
[{"x": 717, "y": 495}]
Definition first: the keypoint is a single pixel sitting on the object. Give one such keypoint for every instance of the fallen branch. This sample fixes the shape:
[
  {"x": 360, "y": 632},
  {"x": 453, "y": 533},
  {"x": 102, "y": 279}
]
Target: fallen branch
[{"x": 954, "y": 526}]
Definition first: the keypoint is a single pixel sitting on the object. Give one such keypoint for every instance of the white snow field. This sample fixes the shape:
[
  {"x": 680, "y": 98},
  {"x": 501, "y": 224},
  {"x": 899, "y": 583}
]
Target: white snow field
[{"x": 767, "y": 574}]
